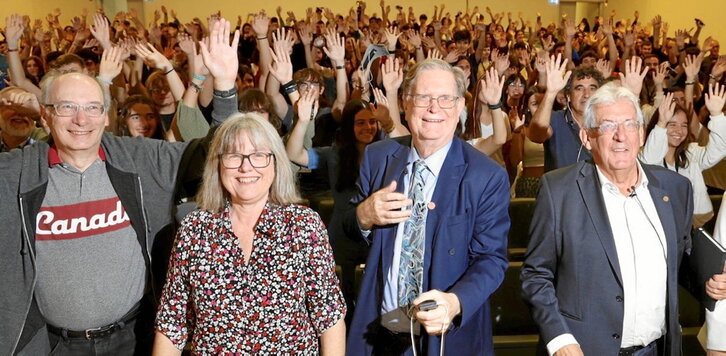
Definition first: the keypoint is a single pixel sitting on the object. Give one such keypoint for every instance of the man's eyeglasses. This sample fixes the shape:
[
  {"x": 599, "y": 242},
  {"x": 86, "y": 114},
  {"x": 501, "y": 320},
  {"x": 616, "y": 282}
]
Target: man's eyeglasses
[
  {"x": 306, "y": 85},
  {"x": 236, "y": 160},
  {"x": 444, "y": 101},
  {"x": 609, "y": 127},
  {"x": 67, "y": 108},
  {"x": 159, "y": 90}
]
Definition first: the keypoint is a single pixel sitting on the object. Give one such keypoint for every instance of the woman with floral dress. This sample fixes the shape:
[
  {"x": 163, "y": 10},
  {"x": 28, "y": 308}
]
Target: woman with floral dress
[{"x": 250, "y": 272}]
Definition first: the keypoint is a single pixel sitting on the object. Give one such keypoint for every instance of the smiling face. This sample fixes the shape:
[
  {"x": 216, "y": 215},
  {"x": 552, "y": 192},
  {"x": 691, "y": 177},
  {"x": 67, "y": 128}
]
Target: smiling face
[
  {"x": 614, "y": 153},
  {"x": 142, "y": 121},
  {"x": 32, "y": 67},
  {"x": 677, "y": 129},
  {"x": 80, "y": 133},
  {"x": 15, "y": 122},
  {"x": 432, "y": 126},
  {"x": 247, "y": 185},
  {"x": 515, "y": 89},
  {"x": 365, "y": 126}
]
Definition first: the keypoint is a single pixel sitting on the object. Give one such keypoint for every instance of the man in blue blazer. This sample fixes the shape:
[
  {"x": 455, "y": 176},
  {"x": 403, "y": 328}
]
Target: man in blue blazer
[
  {"x": 466, "y": 225},
  {"x": 607, "y": 237}
]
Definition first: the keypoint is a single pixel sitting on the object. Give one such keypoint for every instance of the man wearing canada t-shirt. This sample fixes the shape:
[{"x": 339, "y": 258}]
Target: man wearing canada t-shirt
[{"x": 80, "y": 216}]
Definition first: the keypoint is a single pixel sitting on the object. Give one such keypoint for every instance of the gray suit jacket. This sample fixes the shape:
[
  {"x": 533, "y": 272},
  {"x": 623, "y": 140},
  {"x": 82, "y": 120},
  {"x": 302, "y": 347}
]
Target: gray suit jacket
[{"x": 571, "y": 275}]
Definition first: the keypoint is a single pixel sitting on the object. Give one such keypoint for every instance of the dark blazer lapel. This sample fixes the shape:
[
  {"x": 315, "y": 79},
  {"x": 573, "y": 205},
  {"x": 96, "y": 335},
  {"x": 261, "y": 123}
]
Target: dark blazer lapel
[
  {"x": 445, "y": 192},
  {"x": 591, "y": 193},
  {"x": 667, "y": 220},
  {"x": 395, "y": 170}
]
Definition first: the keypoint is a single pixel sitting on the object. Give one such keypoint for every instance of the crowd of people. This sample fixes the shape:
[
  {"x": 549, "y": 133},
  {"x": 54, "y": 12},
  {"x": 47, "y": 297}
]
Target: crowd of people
[{"x": 153, "y": 170}]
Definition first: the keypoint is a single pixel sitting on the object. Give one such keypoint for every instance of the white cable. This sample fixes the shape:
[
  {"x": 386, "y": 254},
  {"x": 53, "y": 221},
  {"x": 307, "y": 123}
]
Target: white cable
[{"x": 444, "y": 327}]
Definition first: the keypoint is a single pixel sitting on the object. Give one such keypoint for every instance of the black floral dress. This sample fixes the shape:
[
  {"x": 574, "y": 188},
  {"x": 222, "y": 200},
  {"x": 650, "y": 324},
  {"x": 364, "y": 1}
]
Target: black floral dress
[{"x": 277, "y": 303}]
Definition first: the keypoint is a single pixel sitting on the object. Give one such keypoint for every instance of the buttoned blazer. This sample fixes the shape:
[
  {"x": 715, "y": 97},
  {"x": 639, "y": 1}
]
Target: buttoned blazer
[
  {"x": 571, "y": 276},
  {"x": 465, "y": 248}
]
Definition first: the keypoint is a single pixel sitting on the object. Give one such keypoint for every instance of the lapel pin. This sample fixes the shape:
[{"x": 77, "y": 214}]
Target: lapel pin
[
  {"x": 431, "y": 205},
  {"x": 666, "y": 198}
]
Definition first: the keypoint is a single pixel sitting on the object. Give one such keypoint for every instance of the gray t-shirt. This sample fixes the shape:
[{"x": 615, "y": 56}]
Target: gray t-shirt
[{"x": 91, "y": 269}]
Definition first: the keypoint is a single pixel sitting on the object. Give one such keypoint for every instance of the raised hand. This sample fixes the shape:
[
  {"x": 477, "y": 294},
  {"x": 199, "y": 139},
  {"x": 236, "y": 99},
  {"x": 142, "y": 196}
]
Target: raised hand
[
  {"x": 151, "y": 55},
  {"x": 501, "y": 61},
  {"x": 414, "y": 38},
  {"x": 570, "y": 29},
  {"x": 428, "y": 42},
  {"x": 23, "y": 99},
  {"x": 307, "y": 106},
  {"x": 380, "y": 109},
  {"x": 306, "y": 35},
  {"x": 196, "y": 62},
  {"x": 557, "y": 74},
  {"x": 519, "y": 121},
  {"x": 603, "y": 66},
  {"x": 392, "y": 34},
  {"x": 220, "y": 56},
  {"x": 491, "y": 86},
  {"x": 692, "y": 65},
  {"x": 715, "y": 99},
  {"x": 111, "y": 63},
  {"x": 629, "y": 38},
  {"x": 434, "y": 54},
  {"x": 186, "y": 43},
  {"x": 660, "y": 74},
  {"x": 681, "y": 38},
  {"x": 392, "y": 75},
  {"x": 260, "y": 24},
  {"x": 452, "y": 56},
  {"x": 284, "y": 37},
  {"x": 13, "y": 30},
  {"x": 281, "y": 66},
  {"x": 634, "y": 74},
  {"x": 100, "y": 30},
  {"x": 334, "y": 48},
  {"x": 666, "y": 110},
  {"x": 719, "y": 68}
]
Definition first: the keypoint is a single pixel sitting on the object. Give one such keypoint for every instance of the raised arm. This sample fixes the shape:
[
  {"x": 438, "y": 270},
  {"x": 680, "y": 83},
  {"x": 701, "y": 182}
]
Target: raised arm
[
  {"x": 491, "y": 95},
  {"x": 691, "y": 66},
  {"x": 261, "y": 24},
  {"x": 716, "y": 149},
  {"x": 281, "y": 72},
  {"x": 392, "y": 76},
  {"x": 557, "y": 76},
  {"x": 307, "y": 108},
  {"x": 335, "y": 50},
  {"x": 13, "y": 32},
  {"x": 100, "y": 30},
  {"x": 220, "y": 57},
  {"x": 570, "y": 32},
  {"x": 656, "y": 145},
  {"x": 149, "y": 53}
]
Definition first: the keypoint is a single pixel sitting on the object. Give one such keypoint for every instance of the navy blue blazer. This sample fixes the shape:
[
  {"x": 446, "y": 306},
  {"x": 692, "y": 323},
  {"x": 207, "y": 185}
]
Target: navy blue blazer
[
  {"x": 571, "y": 275},
  {"x": 466, "y": 243}
]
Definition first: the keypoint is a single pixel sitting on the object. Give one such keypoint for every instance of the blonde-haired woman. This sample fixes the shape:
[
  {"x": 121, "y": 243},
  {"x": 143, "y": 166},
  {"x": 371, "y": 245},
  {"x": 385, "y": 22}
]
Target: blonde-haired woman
[{"x": 251, "y": 272}]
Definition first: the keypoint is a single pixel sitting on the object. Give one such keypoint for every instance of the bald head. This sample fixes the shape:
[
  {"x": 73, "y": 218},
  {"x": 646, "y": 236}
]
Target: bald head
[{"x": 56, "y": 82}]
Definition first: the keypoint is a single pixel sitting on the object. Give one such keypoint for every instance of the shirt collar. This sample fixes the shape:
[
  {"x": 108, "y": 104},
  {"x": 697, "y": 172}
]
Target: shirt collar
[
  {"x": 54, "y": 157},
  {"x": 4, "y": 147},
  {"x": 611, "y": 187},
  {"x": 434, "y": 162}
]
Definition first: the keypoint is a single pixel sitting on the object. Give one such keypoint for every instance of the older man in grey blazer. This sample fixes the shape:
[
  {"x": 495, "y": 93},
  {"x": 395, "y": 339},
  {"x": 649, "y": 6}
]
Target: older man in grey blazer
[{"x": 607, "y": 238}]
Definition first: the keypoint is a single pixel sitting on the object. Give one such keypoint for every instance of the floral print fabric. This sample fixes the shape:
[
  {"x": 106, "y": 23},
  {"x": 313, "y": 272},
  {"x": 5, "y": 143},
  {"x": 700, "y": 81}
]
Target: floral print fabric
[{"x": 277, "y": 303}]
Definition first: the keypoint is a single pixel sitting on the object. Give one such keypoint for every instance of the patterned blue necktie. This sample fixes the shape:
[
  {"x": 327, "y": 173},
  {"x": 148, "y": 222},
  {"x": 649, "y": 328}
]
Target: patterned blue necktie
[{"x": 410, "y": 269}]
